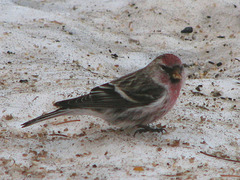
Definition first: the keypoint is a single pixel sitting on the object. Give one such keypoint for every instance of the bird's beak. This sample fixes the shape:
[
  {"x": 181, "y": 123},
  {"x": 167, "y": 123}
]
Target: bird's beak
[{"x": 177, "y": 74}]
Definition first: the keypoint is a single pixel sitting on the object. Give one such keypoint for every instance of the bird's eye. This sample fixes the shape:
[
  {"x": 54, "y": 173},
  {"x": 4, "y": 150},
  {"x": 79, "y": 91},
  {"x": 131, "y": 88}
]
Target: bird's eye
[
  {"x": 166, "y": 69},
  {"x": 163, "y": 67}
]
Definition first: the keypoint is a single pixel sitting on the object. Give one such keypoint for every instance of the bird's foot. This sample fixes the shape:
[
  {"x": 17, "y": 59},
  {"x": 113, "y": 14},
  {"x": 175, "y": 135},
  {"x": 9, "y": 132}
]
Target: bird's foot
[{"x": 145, "y": 128}]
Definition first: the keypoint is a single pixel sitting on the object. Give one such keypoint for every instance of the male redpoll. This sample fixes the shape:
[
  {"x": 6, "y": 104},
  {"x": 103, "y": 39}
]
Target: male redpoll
[{"x": 136, "y": 99}]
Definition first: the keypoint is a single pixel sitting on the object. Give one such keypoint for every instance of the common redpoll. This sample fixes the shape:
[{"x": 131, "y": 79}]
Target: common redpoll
[{"x": 136, "y": 99}]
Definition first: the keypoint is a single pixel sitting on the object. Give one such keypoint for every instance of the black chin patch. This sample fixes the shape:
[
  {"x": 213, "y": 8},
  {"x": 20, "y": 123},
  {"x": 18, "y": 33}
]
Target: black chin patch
[{"x": 174, "y": 80}]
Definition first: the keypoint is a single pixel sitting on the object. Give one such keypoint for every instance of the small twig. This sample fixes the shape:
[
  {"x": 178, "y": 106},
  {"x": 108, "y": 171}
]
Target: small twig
[
  {"x": 202, "y": 107},
  {"x": 35, "y": 98},
  {"x": 58, "y": 135},
  {"x": 223, "y": 175},
  {"x": 65, "y": 122},
  {"x": 178, "y": 174},
  {"x": 197, "y": 93},
  {"x": 219, "y": 157},
  {"x": 174, "y": 175}
]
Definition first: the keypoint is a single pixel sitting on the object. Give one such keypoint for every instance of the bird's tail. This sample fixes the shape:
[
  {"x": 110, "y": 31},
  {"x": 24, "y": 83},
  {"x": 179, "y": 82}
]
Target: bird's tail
[{"x": 58, "y": 112}]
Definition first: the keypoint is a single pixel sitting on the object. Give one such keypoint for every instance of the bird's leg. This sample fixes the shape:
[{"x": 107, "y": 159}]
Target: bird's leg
[{"x": 145, "y": 128}]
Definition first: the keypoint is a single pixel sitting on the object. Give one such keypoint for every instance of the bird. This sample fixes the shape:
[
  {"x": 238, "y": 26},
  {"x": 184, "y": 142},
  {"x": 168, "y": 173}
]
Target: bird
[{"x": 134, "y": 100}]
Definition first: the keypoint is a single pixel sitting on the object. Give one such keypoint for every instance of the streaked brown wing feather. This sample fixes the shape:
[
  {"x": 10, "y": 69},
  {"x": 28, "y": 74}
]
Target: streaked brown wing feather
[{"x": 106, "y": 96}]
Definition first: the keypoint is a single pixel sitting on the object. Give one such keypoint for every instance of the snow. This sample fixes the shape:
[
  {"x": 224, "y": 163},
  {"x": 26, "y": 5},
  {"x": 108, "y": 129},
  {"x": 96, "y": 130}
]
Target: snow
[{"x": 65, "y": 48}]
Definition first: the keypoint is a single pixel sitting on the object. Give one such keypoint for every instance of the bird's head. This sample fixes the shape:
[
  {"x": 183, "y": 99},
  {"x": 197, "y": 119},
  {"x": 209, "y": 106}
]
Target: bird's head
[{"x": 171, "y": 66}]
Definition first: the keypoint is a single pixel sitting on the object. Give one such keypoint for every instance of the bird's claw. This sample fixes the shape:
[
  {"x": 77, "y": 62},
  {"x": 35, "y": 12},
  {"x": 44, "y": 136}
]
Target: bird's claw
[{"x": 145, "y": 128}]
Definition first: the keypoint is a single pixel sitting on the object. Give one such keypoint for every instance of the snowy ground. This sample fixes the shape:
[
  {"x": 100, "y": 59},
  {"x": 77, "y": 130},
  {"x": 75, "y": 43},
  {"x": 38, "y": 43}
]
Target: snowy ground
[{"x": 54, "y": 49}]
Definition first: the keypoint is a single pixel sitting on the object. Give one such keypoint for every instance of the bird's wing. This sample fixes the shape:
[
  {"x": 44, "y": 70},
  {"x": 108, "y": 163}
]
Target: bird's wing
[{"x": 126, "y": 92}]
